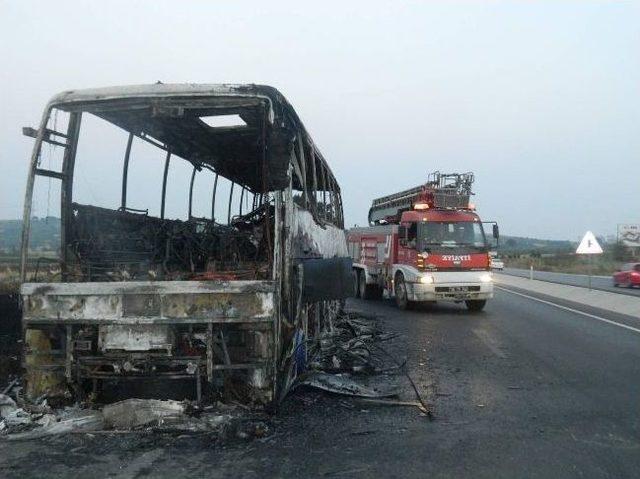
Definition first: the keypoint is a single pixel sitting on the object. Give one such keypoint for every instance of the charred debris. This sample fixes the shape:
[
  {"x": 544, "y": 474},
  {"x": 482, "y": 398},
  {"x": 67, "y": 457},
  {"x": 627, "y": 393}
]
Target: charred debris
[{"x": 350, "y": 359}]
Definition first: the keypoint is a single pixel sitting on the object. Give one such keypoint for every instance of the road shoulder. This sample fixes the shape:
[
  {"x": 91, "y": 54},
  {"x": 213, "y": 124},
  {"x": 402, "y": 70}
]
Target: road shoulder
[{"x": 575, "y": 296}]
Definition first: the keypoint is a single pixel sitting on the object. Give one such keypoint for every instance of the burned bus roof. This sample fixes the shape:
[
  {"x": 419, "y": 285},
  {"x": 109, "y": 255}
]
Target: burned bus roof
[{"x": 172, "y": 116}]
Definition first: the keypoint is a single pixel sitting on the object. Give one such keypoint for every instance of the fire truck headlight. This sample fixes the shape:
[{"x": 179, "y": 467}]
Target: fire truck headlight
[
  {"x": 426, "y": 279},
  {"x": 486, "y": 278}
]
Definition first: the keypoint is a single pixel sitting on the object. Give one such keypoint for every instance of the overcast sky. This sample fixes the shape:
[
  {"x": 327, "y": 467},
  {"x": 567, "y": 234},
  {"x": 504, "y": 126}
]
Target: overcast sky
[{"x": 540, "y": 99}]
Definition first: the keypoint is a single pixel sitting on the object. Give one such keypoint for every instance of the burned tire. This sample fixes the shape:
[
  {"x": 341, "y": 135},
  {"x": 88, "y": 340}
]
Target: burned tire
[
  {"x": 362, "y": 284},
  {"x": 367, "y": 291},
  {"x": 402, "y": 297},
  {"x": 372, "y": 292},
  {"x": 475, "y": 305},
  {"x": 356, "y": 283},
  {"x": 377, "y": 292}
]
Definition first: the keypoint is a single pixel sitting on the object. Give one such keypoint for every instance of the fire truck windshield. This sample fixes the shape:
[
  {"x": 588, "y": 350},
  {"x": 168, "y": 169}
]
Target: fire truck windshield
[{"x": 458, "y": 236}]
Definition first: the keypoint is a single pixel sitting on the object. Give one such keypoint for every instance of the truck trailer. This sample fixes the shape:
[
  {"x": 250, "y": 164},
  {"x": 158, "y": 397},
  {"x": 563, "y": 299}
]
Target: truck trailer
[{"x": 424, "y": 244}]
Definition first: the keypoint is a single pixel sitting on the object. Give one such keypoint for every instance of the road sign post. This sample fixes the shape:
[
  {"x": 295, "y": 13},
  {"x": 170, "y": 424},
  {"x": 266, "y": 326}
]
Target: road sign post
[
  {"x": 531, "y": 271},
  {"x": 589, "y": 246}
]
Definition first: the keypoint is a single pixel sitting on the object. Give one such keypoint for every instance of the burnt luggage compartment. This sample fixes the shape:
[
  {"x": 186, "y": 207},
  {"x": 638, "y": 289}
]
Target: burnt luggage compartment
[{"x": 231, "y": 300}]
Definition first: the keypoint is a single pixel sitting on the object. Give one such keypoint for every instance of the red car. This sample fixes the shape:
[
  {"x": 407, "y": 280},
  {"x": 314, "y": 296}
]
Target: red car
[{"x": 629, "y": 275}]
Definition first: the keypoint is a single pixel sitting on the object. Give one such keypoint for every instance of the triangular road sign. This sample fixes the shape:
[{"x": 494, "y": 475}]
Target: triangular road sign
[{"x": 589, "y": 245}]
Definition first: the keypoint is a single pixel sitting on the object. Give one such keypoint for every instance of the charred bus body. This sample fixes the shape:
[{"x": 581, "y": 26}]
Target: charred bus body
[{"x": 232, "y": 300}]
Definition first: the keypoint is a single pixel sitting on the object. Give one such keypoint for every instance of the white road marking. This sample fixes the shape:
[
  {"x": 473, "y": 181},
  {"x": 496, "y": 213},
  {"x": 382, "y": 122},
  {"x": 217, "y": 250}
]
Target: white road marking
[{"x": 593, "y": 316}]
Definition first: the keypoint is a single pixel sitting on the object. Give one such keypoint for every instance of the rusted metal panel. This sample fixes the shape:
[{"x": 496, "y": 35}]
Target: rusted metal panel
[
  {"x": 145, "y": 305},
  {"x": 148, "y": 302},
  {"x": 142, "y": 287},
  {"x": 69, "y": 308},
  {"x": 134, "y": 337},
  {"x": 317, "y": 240}
]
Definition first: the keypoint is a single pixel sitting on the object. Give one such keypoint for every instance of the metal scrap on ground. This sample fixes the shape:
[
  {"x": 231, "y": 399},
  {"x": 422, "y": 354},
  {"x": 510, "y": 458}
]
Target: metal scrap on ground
[
  {"x": 344, "y": 384},
  {"x": 21, "y": 419},
  {"x": 349, "y": 355},
  {"x": 344, "y": 358},
  {"x": 130, "y": 415},
  {"x": 348, "y": 347}
]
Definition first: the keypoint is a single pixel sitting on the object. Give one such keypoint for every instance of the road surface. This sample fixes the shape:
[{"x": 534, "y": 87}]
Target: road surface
[
  {"x": 523, "y": 389},
  {"x": 604, "y": 283}
]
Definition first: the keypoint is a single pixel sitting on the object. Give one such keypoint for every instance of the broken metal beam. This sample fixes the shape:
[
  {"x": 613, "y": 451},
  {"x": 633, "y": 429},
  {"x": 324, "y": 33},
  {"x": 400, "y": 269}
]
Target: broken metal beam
[
  {"x": 50, "y": 173},
  {"x": 125, "y": 172}
]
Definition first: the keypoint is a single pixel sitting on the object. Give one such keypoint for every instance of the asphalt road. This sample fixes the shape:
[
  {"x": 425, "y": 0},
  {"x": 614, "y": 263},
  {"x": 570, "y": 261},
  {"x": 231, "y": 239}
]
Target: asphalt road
[
  {"x": 604, "y": 283},
  {"x": 523, "y": 389}
]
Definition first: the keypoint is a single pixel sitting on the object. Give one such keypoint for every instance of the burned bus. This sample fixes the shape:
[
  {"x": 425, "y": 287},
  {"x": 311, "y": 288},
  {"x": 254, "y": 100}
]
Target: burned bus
[{"x": 232, "y": 298}]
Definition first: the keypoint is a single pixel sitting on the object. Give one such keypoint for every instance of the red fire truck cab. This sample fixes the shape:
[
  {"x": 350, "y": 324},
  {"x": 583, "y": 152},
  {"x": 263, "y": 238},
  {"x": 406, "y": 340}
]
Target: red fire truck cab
[{"x": 425, "y": 244}]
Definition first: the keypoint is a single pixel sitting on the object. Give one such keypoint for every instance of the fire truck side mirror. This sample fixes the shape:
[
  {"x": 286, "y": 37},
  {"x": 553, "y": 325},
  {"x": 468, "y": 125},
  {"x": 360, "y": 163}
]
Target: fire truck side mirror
[{"x": 496, "y": 231}]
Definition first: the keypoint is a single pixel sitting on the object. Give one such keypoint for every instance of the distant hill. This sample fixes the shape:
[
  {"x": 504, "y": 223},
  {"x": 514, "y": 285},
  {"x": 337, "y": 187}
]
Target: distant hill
[
  {"x": 45, "y": 235},
  {"x": 517, "y": 244}
]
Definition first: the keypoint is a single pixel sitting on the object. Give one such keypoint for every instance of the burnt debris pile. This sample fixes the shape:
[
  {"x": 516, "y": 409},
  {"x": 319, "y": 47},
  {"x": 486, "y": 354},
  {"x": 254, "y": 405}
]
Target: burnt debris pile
[
  {"x": 351, "y": 359},
  {"x": 21, "y": 420},
  {"x": 347, "y": 359},
  {"x": 349, "y": 347}
]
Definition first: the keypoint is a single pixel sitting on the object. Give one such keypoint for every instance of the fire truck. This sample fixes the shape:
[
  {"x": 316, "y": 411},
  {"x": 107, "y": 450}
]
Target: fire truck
[{"x": 425, "y": 244}]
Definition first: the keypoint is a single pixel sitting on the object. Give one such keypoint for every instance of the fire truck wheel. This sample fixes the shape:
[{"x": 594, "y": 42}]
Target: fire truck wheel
[
  {"x": 402, "y": 299},
  {"x": 356, "y": 283},
  {"x": 475, "y": 305}
]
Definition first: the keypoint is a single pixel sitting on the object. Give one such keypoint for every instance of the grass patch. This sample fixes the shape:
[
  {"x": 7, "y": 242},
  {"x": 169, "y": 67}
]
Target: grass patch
[{"x": 602, "y": 265}]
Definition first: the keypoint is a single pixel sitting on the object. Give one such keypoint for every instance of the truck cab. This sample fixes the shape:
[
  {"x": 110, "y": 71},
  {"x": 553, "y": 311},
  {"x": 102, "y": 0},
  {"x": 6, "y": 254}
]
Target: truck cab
[{"x": 442, "y": 255}]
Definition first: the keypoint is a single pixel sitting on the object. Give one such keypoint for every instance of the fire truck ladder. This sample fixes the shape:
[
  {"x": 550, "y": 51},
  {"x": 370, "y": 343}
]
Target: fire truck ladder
[{"x": 449, "y": 190}]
